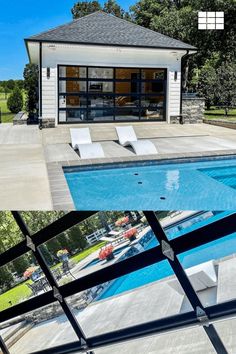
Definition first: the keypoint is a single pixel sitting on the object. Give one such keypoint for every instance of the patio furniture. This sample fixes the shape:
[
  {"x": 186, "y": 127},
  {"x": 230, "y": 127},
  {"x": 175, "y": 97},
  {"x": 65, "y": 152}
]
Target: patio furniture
[
  {"x": 38, "y": 286},
  {"x": 66, "y": 269},
  {"x": 127, "y": 137},
  {"x": 57, "y": 274},
  {"x": 201, "y": 276},
  {"x": 81, "y": 140}
]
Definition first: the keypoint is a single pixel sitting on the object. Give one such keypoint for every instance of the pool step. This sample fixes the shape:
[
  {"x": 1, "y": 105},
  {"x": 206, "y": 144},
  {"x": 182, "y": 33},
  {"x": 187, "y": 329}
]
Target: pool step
[{"x": 12, "y": 335}]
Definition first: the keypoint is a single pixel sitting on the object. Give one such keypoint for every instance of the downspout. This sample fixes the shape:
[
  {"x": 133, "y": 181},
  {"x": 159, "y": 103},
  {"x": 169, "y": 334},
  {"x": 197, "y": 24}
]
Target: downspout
[
  {"x": 181, "y": 86},
  {"x": 40, "y": 86}
]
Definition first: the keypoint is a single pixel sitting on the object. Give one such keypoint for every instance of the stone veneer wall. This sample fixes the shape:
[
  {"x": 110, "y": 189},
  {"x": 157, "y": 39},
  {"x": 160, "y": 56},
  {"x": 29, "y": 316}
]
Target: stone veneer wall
[
  {"x": 48, "y": 122},
  {"x": 192, "y": 110}
]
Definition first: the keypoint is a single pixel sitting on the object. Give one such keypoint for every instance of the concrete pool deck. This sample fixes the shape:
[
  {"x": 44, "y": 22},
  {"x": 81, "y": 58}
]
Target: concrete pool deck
[
  {"x": 31, "y": 176},
  {"x": 131, "y": 308}
]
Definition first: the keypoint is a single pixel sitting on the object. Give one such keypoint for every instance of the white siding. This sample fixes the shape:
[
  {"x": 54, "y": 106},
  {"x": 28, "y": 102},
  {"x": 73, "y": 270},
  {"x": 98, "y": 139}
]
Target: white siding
[{"x": 108, "y": 56}]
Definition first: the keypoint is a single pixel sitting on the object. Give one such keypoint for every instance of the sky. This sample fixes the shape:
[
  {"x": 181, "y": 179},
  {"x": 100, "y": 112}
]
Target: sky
[{"x": 21, "y": 19}]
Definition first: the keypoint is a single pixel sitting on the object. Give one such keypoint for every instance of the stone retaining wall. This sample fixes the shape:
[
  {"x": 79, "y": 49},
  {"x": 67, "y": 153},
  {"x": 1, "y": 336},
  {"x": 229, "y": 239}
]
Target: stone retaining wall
[
  {"x": 192, "y": 110},
  {"x": 221, "y": 123},
  {"x": 48, "y": 123}
]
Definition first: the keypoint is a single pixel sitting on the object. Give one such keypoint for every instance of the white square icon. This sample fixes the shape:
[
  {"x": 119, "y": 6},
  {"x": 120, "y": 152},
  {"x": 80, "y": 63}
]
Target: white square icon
[{"x": 210, "y": 20}]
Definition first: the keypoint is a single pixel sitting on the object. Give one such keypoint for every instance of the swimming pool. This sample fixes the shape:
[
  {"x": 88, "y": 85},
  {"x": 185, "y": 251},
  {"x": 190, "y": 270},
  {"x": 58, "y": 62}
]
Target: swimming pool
[
  {"x": 214, "y": 250},
  {"x": 201, "y": 185}
]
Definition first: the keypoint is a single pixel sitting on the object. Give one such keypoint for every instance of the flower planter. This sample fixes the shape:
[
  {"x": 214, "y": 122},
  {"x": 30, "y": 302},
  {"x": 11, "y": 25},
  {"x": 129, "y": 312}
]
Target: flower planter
[
  {"x": 110, "y": 256},
  {"x": 132, "y": 238}
]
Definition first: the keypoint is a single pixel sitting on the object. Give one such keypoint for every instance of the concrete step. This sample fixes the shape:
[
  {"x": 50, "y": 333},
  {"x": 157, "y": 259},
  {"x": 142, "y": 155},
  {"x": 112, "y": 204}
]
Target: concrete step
[{"x": 13, "y": 334}]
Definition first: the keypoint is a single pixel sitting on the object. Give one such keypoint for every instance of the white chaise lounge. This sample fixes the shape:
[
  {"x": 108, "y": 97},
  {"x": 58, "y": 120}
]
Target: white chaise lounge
[
  {"x": 201, "y": 276},
  {"x": 81, "y": 140},
  {"x": 127, "y": 137}
]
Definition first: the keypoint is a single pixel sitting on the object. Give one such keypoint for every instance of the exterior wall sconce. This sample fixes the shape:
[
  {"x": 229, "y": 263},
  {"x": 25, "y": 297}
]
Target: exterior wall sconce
[
  {"x": 48, "y": 73},
  {"x": 176, "y": 76}
]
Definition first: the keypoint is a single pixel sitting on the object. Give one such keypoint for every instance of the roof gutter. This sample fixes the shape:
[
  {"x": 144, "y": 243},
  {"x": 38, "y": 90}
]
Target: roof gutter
[{"x": 27, "y": 40}]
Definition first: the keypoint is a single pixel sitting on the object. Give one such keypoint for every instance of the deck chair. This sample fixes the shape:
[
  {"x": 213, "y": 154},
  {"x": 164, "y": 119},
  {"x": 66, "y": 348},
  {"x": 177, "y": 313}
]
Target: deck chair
[
  {"x": 127, "y": 137},
  {"x": 81, "y": 141},
  {"x": 201, "y": 276}
]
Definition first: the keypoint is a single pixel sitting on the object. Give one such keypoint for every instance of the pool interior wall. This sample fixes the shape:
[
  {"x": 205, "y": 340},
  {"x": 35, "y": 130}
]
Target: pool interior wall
[{"x": 203, "y": 185}]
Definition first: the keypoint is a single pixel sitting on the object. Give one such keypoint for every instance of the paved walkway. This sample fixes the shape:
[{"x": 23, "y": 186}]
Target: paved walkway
[{"x": 26, "y": 153}]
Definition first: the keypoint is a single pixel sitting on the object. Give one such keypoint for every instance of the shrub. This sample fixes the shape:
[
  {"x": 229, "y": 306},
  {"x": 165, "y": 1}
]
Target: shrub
[{"x": 15, "y": 100}]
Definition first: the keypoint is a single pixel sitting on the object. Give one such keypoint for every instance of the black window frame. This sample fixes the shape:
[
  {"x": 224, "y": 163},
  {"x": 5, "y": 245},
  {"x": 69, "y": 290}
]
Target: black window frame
[
  {"x": 88, "y": 94},
  {"x": 166, "y": 250}
]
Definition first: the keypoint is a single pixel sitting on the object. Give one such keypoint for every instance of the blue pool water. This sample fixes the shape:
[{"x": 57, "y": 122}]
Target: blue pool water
[
  {"x": 213, "y": 250},
  {"x": 202, "y": 185}
]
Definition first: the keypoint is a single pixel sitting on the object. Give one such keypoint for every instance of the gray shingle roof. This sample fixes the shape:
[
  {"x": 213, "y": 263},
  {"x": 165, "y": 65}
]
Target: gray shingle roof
[{"x": 104, "y": 29}]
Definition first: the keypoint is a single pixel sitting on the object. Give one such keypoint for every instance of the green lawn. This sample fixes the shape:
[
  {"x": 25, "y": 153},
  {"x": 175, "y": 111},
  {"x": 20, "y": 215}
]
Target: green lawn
[
  {"x": 15, "y": 295},
  {"x": 21, "y": 292},
  {"x": 7, "y": 116},
  {"x": 216, "y": 113},
  {"x": 87, "y": 252}
]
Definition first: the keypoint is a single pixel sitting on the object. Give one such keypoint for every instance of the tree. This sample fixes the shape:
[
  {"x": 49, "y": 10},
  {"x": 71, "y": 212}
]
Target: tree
[
  {"x": 20, "y": 265},
  {"x": 226, "y": 85},
  {"x": 178, "y": 19},
  {"x": 206, "y": 83},
  {"x": 83, "y": 8},
  {"x": 112, "y": 7},
  {"x": 10, "y": 84},
  {"x": 6, "y": 277},
  {"x": 76, "y": 238},
  {"x": 31, "y": 76},
  {"x": 15, "y": 100}
]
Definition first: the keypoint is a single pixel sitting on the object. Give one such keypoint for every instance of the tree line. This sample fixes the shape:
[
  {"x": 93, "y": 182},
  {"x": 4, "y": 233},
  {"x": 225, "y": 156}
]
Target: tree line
[{"x": 211, "y": 72}]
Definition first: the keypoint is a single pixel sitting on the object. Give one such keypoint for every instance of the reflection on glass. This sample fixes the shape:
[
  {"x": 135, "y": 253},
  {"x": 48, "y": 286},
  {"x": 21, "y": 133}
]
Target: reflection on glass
[
  {"x": 73, "y": 115},
  {"x": 81, "y": 249},
  {"x": 72, "y": 72},
  {"x": 20, "y": 280},
  {"x": 227, "y": 332},
  {"x": 211, "y": 268},
  {"x": 152, "y": 87},
  {"x": 127, "y": 74},
  {"x": 99, "y": 86},
  {"x": 104, "y": 114},
  {"x": 72, "y": 101},
  {"x": 100, "y": 101},
  {"x": 72, "y": 86},
  {"x": 50, "y": 328},
  {"x": 142, "y": 296},
  {"x": 153, "y": 74},
  {"x": 10, "y": 234},
  {"x": 36, "y": 220},
  {"x": 100, "y": 73}
]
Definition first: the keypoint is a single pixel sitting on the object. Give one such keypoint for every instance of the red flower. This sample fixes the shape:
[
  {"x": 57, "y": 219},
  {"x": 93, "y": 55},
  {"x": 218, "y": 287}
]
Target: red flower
[
  {"x": 122, "y": 221},
  {"x": 130, "y": 233},
  {"x": 105, "y": 252}
]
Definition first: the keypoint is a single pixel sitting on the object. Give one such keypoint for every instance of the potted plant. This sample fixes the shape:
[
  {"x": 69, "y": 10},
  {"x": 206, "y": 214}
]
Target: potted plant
[
  {"x": 131, "y": 234},
  {"x": 106, "y": 253},
  {"x": 122, "y": 221},
  {"x": 63, "y": 255},
  {"x": 31, "y": 273}
]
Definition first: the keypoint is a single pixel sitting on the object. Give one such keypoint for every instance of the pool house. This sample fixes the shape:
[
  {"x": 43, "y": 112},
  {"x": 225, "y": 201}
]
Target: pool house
[{"x": 101, "y": 68}]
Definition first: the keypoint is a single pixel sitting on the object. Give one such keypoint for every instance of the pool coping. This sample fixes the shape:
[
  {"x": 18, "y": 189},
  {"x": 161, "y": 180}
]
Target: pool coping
[{"x": 60, "y": 193}]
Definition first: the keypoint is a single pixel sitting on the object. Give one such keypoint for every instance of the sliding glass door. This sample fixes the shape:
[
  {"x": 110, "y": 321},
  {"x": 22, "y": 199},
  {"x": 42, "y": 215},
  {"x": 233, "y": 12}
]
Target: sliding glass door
[{"x": 106, "y": 94}]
